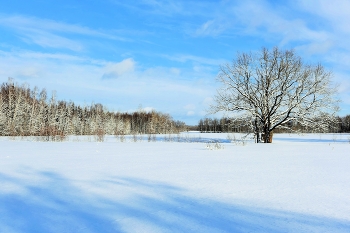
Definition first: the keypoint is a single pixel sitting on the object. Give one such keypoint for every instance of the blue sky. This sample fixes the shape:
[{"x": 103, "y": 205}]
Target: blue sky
[{"x": 160, "y": 54}]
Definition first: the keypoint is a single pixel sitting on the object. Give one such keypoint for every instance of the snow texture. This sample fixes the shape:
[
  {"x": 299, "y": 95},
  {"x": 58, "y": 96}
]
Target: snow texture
[{"x": 296, "y": 184}]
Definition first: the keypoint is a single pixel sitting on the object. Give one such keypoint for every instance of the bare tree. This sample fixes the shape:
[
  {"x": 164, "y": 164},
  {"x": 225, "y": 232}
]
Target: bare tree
[{"x": 274, "y": 89}]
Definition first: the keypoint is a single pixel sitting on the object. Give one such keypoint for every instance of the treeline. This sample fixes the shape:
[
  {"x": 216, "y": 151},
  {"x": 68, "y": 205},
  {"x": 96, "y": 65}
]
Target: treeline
[
  {"x": 230, "y": 125},
  {"x": 224, "y": 125},
  {"x": 31, "y": 112}
]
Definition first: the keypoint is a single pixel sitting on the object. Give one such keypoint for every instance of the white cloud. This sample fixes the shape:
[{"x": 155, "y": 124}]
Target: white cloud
[
  {"x": 208, "y": 100},
  {"x": 190, "y": 113},
  {"x": 30, "y": 72},
  {"x": 116, "y": 70},
  {"x": 148, "y": 109},
  {"x": 190, "y": 107},
  {"x": 208, "y": 69},
  {"x": 175, "y": 71},
  {"x": 342, "y": 80}
]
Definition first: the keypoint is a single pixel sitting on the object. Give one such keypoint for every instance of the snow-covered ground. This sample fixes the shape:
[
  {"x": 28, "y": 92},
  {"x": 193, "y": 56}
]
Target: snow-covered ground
[{"x": 296, "y": 184}]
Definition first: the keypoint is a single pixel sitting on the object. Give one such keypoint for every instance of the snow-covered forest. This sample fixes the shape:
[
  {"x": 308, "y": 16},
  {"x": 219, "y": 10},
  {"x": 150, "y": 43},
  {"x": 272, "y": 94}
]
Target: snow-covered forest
[
  {"x": 32, "y": 112},
  {"x": 226, "y": 124}
]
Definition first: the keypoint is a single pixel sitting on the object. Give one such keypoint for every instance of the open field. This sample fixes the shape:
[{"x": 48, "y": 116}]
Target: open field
[{"x": 296, "y": 184}]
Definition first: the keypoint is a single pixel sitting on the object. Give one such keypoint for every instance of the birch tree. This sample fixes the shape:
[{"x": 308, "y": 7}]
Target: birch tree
[{"x": 274, "y": 89}]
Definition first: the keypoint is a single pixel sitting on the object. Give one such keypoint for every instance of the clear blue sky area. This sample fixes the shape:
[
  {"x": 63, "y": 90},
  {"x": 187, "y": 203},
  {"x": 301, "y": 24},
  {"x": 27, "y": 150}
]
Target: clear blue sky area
[{"x": 163, "y": 55}]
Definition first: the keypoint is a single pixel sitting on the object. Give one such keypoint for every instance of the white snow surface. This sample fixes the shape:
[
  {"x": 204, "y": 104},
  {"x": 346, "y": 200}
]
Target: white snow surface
[{"x": 299, "y": 183}]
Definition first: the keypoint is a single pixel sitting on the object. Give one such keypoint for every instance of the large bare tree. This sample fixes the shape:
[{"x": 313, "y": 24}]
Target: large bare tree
[{"x": 273, "y": 89}]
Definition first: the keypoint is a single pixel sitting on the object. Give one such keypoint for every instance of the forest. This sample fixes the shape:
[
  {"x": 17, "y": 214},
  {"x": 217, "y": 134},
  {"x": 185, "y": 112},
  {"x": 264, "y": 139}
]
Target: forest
[{"x": 32, "y": 112}]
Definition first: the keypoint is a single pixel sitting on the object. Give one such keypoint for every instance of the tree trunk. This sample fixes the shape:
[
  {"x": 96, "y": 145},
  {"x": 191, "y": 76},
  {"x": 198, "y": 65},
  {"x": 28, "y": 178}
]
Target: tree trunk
[
  {"x": 267, "y": 137},
  {"x": 270, "y": 137},
  {"x": 257, "y": 133}
]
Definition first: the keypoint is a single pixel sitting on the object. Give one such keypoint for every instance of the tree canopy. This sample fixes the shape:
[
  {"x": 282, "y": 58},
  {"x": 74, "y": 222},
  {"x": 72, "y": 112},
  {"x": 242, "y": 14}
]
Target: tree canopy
[{"x": 273, "y": 89}]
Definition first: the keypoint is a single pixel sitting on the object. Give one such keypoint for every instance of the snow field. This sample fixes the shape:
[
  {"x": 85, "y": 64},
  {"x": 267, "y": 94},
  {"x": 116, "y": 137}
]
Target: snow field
[{"x": 296, "y": 184}]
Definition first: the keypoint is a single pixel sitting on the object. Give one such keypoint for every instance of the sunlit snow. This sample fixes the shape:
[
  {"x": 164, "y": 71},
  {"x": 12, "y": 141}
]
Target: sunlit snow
[{"x": 299, "y": 183}]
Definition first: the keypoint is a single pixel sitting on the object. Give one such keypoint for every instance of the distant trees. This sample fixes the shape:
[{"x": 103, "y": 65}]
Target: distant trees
[
  {"x": 30, "y": 112},
  {"x": 274, "y": 89},
  {"x": 224, "y": 125},
  {"x": 344, "y": 126},
  {"x": 237, "y": 125}
]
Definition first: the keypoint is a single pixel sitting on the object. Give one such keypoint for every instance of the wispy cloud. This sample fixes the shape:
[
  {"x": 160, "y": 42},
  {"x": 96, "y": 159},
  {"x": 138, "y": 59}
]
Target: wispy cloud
[
  {"x": 213, "y": 27},
  {"x": 316, "y": 27},
  {"x": 335, "y": 17},
  {"x": 50, "y": 40},
  {"x": 50, "y": 33},
  {"x": 259, "y": 18},
  {"x": 167, "y": 7},
  {"x": 195, "y": 59},
  {"x": 23, "y": 22},
  {"x": 336, "y": 12}
]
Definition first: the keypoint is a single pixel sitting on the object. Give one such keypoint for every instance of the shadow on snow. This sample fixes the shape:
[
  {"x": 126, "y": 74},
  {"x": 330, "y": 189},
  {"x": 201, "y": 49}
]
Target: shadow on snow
[
  {"x": 312, "y": 140},
  {"x": 56, "y": 205}
]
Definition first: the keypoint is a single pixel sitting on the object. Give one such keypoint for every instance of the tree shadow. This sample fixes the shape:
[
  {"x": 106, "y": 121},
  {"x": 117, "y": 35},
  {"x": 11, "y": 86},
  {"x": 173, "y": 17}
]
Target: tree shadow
[
  {"x": 59, "y": 205},
  {"x": 313, "y": 140}
]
